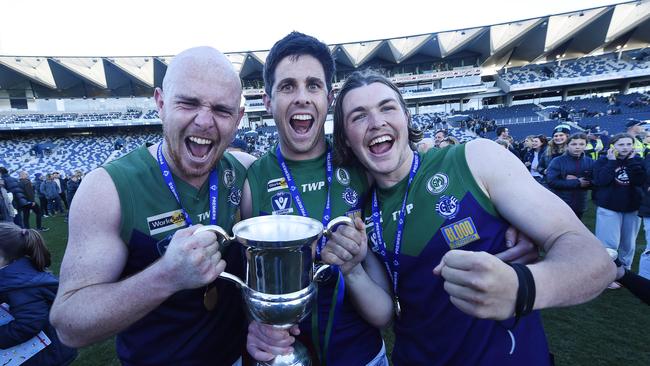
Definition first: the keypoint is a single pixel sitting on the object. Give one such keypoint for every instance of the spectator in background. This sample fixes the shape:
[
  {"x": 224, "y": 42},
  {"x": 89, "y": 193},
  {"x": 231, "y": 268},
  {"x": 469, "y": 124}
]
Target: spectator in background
[
  {"x": 619, "y": 177},
  {"x": 19, "y": 198},
  {"x": 569, "y": 175},
  {"x": 238, "y": 145},
  {"x": 644, "y": 213},
  {"x": 61, "y": 184},
  {"x": 51, "y": 192},
  {"x": 636, "y": 130},
  {"x": 556, "y": 146},
  {"x": 534, "y": 156},
  {"x": 39, "y": 179},
  {"x": 28, "y": 188},
  {"x": 449, "y": 140},
  {"x": 6, "y": 206},
  {"x": 594, "y": 145},
  {"x": 29, "y": 289},
  {"x": 438, "y": 137}
]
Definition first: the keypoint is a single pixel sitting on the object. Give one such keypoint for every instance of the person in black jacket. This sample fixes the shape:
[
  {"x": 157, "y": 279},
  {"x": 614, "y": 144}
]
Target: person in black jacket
[
  {"x": 27, "y": 187},
  {"x": 644, "y": 212},
  {"x": 569, "y": 175},
  {"x": 29, "y": 291},
  {"x": 20, "y": 200},
  {"x": 619, "y": 178}
]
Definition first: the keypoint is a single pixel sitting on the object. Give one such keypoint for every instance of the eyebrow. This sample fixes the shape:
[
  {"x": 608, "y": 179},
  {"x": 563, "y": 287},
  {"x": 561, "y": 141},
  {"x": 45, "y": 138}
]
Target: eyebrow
[
  {"x": 384, "y": 101},
  {"x": 218, "y": 106}
]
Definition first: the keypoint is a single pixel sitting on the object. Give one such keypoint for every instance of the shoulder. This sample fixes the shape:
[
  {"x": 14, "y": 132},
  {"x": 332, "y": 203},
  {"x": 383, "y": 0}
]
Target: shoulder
[{"x": 243, "y": 158}]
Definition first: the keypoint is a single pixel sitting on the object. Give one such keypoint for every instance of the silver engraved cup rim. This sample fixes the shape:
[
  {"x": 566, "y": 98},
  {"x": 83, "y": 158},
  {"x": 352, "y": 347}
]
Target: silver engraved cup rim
[{"x": 277, "y": 231}]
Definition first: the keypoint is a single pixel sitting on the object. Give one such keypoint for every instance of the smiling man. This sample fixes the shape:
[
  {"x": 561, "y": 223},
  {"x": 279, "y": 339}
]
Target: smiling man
[{"x": 132, "y": 265}]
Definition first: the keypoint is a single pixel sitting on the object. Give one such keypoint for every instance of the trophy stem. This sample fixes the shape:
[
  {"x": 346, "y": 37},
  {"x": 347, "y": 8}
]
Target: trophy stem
[{"x": 299, "y": 357}]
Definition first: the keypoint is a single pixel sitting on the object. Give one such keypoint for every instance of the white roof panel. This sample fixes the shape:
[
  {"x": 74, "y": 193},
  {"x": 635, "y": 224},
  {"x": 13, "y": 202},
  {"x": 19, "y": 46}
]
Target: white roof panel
[
  {"x": 237, "y": 60},
  {"x": 261, "y": 55},
  {"x": 502, "y": 35},
  {"x": 140, "y": 68},
  {"x": 91, "y": 69},
  {"x": 626, "y": 16},
  {"x": 561, "y": 27},
  {"x": 452, "y": 41},
  {"x": 360, "y": 51},
  {"x": 407, "y": 45},
  {"x": 35, "y": 68}
]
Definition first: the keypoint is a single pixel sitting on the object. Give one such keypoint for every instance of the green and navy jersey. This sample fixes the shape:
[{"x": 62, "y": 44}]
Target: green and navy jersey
[
  {"x": 353, "y": 340},
  {"x": 181, "y": 330},
  {"x": 445, "y": 210}
]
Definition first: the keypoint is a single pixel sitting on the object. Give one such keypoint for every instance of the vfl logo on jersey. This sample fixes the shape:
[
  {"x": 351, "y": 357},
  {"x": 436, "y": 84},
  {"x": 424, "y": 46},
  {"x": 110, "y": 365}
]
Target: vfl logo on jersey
[
  {"x": 447, "y": 207},
  {"x": 460, "y": 233},
  {"x": 276, "y": 184},
  {"x": 235, "y": 197},
  {"x": 166, "y": 221},
  {"x": 438, "y": 183},
  {"x": 229, "y": 178},
  {"x": 342, "y": 176},
  {"x": 350, "y": 197},
  {"x": 281, "y": 203}
]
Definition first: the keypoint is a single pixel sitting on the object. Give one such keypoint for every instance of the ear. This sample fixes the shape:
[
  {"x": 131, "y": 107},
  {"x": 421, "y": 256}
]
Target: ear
[
  {"x": 267, "y": 103},
  {"x": 158, "y": 98}
]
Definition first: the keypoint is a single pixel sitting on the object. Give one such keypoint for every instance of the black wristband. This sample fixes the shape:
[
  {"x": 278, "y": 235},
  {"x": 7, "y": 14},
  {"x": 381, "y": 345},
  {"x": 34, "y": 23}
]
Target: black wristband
[{"x": 525, "y": 293}]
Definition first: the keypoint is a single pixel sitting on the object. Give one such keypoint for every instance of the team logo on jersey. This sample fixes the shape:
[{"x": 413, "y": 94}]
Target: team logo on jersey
[
  {"x": 342, "y": 176},
  {"x": 460, "y": 233},
  {"x": 235, "y": 197},
  {"x": 447, "y": 207},
  {"x": 281, "y": 203},
  {"x": 438, "y": 183},
  {"x": 351, "y": 197},
  {"x": 165, "y": 221},
  {"x": 229, "y": 178},
  {"x": 276, "y": 184}
]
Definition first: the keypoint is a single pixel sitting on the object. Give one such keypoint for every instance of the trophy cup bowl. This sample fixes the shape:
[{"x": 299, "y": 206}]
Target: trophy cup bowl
[{"x": 281, "y": 279}]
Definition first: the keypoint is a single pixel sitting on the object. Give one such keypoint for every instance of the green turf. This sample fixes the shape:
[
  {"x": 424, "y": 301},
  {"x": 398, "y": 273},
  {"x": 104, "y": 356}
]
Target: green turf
[{"x": 610, "y": 330}]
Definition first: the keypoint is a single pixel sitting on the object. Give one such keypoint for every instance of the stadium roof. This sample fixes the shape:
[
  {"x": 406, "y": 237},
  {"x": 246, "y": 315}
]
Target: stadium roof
[{"x": 567, "y": 35}]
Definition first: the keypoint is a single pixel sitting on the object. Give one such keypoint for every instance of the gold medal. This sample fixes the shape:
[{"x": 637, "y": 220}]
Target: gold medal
[{"x": 210, "y": 298}]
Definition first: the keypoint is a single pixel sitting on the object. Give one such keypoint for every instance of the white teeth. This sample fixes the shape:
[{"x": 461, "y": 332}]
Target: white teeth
[
  {"x": 200, "y": 141},
  {"x": 380, "y": 139},
  {"x": 301, "y": 117}
]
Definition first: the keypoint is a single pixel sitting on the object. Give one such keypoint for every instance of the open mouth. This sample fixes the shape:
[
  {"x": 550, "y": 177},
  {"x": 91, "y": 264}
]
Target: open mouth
[
  {"x": 380, "y": 144},
  {"x": 198, "y": 146},
  {"x": 301, "y": 123}
]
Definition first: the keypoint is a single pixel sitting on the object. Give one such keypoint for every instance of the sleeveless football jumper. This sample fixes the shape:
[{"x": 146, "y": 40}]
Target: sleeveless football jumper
[
  {"x": 181, "y": 331},
  {"x": 353, "y": 340},
  {"x": 446, "y": 209}
]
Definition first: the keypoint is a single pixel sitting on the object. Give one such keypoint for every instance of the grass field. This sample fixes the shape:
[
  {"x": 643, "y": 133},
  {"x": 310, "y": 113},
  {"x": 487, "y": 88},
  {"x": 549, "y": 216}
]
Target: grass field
[{"x": 610, "y": 330}]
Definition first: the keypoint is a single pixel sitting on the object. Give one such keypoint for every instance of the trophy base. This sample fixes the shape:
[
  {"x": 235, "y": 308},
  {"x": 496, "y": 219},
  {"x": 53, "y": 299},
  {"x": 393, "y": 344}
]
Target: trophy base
[{"x": 299, "y": 357}]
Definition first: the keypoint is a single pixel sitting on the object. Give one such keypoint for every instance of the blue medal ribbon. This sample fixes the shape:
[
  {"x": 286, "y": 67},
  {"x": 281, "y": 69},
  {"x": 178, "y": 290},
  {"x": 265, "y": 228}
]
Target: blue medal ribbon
[
  {"x": 337, "y": 298},
  {"x": 393, "y": 267},
  {"x": 295, "y": 193},
  {"x": 213, "y": 189}
]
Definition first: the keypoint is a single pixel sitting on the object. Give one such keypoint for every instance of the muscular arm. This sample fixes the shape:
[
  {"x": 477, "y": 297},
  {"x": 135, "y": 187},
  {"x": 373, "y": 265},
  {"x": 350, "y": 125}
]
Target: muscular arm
[
  {"x": 576, "y": 268},
  {"x": 92, "y": 302}
]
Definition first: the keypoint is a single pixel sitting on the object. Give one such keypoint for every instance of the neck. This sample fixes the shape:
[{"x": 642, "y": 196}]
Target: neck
[
  {"x": 317, "y": 151},
  {"x": 194, "y": 181},
  {"x": 388, "y": 180}
]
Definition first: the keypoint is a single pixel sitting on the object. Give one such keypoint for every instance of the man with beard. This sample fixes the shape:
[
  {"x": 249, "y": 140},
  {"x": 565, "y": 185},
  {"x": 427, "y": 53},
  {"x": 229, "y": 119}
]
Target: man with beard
[{"x": 133, "y": 265}]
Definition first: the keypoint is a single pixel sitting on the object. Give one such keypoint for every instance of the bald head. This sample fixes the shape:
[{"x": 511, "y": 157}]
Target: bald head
[{"x": 200, "y": 61}]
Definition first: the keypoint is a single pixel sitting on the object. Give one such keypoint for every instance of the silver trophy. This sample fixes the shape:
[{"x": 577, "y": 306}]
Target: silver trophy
[{"x": 280, "y": 274}]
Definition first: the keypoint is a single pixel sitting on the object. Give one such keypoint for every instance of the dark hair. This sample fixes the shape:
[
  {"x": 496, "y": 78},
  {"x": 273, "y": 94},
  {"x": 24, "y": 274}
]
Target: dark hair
[
  {"x": 577, "y": 136},
  {"x": 501, "y": 129},
  {"x": 542, "y": 139},
  {"x": 343, "y": 155},
  {"x": 618, "y": 136},
  {"x": 444, "y": 133},
  {"x": 3, "y": 170},
  {"x": 296, "y": 44},
  {"x": 17, "y": 243}
]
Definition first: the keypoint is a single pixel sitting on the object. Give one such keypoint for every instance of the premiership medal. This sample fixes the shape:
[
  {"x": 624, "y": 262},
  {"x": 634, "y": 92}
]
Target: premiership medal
[
  {"x": 398, "y": 308},
  {"x": 210, "y": 298}
]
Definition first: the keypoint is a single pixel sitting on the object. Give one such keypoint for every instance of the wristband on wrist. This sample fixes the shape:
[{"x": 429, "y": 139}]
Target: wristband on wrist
[{"x": 525, "y": 293}]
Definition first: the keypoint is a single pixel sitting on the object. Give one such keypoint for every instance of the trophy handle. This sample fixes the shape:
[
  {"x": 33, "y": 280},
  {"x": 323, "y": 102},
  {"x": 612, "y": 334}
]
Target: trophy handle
[
  {"x": 222, "y": 235},
  {"x": 320, "y": 275},
  {"x": 335, "y": 222},
  {"x": 235, "y": 279}
]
